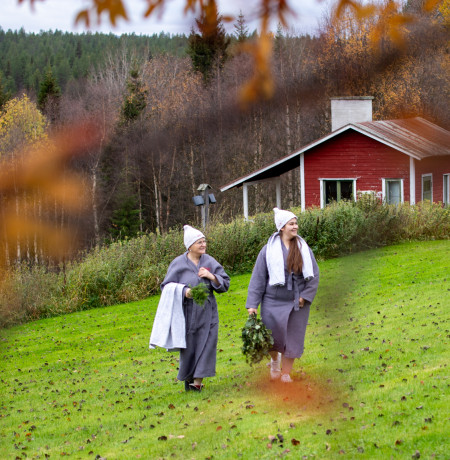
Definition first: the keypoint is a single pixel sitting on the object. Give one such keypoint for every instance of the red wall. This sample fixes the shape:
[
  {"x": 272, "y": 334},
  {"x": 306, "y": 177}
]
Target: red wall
[
  {"x": 353, "y": 155},
  {"x": 437, "y": 166}
]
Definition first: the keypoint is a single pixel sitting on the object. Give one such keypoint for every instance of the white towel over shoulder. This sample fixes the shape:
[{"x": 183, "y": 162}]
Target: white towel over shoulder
[
  {"x": 169, "y": 327},
  {"x": 275, "y": 261}
]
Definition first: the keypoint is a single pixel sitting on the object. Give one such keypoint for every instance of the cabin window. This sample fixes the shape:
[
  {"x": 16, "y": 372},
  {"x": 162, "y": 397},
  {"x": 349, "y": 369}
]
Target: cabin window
[
  {"x": 393, "y": 191},
  {"x": 337, "y": 190},
  {"x": 427, "y": 187},
  {"x": 446, "y": 189}
]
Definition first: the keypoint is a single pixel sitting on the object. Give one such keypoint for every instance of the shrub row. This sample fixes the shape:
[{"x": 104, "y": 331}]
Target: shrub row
[{"x": 132, "y": 270}]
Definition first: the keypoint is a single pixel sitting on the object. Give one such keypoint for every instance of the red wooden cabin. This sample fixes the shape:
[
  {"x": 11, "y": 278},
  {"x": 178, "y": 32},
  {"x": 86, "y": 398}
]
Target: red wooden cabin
[{"x": 405, "y": 160}]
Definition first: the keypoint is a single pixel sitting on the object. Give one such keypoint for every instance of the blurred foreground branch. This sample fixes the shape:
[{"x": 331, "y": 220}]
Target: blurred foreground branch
[{"x": 37, "y": 189}]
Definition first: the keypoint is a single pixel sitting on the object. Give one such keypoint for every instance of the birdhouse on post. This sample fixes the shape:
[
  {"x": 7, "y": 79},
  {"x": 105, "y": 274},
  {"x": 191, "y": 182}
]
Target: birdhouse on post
[{"x": 204, "y": 200}]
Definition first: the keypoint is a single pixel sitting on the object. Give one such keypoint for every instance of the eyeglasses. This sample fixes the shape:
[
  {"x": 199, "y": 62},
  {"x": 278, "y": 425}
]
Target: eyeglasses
[{"x": 200, "y": 242}]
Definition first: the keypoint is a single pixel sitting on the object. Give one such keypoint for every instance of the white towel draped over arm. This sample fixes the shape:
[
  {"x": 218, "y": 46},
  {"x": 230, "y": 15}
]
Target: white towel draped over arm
[{"x": 169, "y": 327}]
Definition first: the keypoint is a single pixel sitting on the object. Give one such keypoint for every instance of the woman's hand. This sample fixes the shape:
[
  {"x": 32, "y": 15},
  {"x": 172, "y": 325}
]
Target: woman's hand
[
  {"x": 301, "y": 302},
  {"x": 205, "y": 273},
  {"x": 188, "y": 293},
  {"x": 252, "y": 310}
]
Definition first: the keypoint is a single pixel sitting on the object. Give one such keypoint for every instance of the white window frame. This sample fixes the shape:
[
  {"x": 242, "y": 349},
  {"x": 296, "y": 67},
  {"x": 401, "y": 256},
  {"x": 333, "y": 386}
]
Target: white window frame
[
  {"x": 446, "y": 190},
  {"x": 384, "y": 188},
  {"x": 431, "y": 179},
  {"x": 322, "y": 180}
]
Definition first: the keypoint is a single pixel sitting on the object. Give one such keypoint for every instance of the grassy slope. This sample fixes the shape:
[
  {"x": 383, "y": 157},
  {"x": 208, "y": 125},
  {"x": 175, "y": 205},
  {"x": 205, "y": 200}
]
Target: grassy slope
[{"x": 371, "y": 384}]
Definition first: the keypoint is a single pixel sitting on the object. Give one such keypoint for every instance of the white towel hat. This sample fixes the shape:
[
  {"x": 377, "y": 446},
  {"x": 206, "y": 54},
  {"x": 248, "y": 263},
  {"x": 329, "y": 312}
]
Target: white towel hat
[
  {"x": 191, "y": 235},
  {"x": 282, "y": 217}
]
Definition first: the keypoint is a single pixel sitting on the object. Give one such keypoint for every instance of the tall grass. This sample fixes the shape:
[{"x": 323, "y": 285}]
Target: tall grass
[{"x": 132, "y": 270}]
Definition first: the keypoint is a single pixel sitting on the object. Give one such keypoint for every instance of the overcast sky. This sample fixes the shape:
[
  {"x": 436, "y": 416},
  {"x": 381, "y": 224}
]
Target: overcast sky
[{"x": 60, "y": 14}]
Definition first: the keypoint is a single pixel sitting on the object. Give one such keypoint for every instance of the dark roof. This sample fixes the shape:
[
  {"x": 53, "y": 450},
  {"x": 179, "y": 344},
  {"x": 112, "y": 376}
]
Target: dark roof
[{"x": 415, "y": 137}]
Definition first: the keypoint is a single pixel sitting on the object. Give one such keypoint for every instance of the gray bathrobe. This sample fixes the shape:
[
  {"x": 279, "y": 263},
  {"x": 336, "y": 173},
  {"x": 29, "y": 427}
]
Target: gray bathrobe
[
  {"x": 280, "y": 311},
  {"x": 198, "y": 359}
]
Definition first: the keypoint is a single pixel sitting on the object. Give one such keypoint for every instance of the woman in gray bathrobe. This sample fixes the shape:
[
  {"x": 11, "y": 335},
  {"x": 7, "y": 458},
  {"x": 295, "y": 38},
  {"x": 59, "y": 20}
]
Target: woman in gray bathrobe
[
  {"x": 198, "y": 359},
  {"x": 284, "y": 282}
]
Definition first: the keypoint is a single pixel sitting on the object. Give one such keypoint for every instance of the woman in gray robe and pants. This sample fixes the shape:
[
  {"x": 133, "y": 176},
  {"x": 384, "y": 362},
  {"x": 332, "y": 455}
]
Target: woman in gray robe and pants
[
  {"x": 198, "y": 359},
  {"x": 284, "y": 282}
]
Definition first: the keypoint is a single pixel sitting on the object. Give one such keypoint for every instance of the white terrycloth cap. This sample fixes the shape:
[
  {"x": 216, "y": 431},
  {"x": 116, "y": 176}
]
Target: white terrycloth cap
[
  {"x": 191, "y": 235},
  {"x": 282, "y": 217}
]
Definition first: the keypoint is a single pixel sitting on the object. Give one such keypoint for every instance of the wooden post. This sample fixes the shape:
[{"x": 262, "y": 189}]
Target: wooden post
[
  {"x": 204, "y": 188},
  {"x": 205, "y": 207}
]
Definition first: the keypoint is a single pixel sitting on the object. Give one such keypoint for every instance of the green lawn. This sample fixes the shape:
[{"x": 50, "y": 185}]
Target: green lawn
[{"x": 371, "y": 384}]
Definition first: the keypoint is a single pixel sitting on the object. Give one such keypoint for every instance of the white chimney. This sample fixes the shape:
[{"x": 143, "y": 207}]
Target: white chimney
[{"x": 354, "y": 109}]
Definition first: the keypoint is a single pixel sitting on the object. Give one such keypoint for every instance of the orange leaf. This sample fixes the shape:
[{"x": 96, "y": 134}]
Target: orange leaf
[
  {"x": 115, "y": 9},
  {"x": 83, "y": 16},
  {"x": 431, "y": 5},
  {"x": 342, "y": 5},
  {"x": 154, "y": 5}
]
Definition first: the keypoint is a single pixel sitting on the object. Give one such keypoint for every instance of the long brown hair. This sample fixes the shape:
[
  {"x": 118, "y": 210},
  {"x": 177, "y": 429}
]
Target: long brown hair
[{"x": 294, "y": 260}]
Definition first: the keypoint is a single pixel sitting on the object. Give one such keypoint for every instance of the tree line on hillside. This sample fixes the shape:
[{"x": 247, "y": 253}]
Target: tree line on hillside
[
  {"x": 25, "y": 57},
  {"x": 169, "y": 123}
]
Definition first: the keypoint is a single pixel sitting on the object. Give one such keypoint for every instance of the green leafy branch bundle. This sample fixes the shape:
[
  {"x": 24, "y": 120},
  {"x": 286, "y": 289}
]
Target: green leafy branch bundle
[
  {"x": 200, "y": 293},
  {"x": 257, "y": 340}
]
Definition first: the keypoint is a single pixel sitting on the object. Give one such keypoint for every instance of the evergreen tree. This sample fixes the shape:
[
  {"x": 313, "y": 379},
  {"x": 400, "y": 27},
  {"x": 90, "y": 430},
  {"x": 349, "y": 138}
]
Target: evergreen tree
[
  {"x": 241, "y": 29},
  {"x": 64, "y": 72},
  {"x": 79, "y": 49},
  {"x": 136, "y": 98},
  {"x": 49, "y": 96},
  {"x": 5, "y": 96},
  {"x": 279, "y": 39},
  {"x": 208, "y": 48},
  {"x": 125, "y": 222}
]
